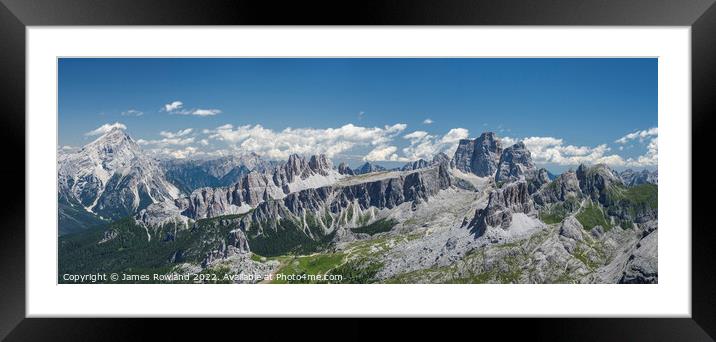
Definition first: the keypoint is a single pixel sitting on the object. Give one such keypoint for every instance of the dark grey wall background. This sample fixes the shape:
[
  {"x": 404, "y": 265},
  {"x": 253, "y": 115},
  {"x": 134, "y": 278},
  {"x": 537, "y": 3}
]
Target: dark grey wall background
[{"x": 16, "y": 14}]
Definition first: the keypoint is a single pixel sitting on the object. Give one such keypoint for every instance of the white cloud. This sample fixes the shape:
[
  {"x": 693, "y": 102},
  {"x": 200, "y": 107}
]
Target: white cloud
[
  {"x": 173, "y": 106},
  {"x": 650, "y": 158},
  {"x": 281, "y": 144},
  {"x": 132, "y": 112},
  {"x": 105, "y": 128},
  {"x": 641, "y": 135},
  {"x": 167, "y": 142},
  {"x": 178, "y": 138},
  {"x": 179, "y": 133},
  {"x": 455, "y": 135},
  {"x": 416, "y": 135},
  {"x": 177, "y": 107},
  {"x": 205, "y": 112},
  {"x": 426, "y": 146},
  {"x": 428, "y": 121},
  {"x": 382, "y": 153},
  {"x": 551, "y": 150}
]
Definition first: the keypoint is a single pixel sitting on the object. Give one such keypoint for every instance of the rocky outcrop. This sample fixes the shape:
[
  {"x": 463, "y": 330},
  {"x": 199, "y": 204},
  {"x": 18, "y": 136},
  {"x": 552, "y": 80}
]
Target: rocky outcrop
[
  {"x": 368, "y": 168},
  {"x": 441, "y": 158},
  {"x": 502, "y": 203},
  {"x": 344, "y": 169},
  {"x": 239, "y": 198},
  {"x": 319, "y": 164},
  {"x": 418, "y": 164},
  {"x": 597, "y": 181},
  {"x": 189, "y": 175},
  {"x": 633, "y": 178},
  {"x": 251, "y": 190},
  {"x": 642, "y": 266},
  {"x": 237, "y": 239},
  {"x": 235, "y": 243},
  {"x": 385, "y": 193},
  {"x": 565, "y": 186},
  {"x": 541, "y": 178},
  {"x": 297, "y": 168},
  {"x": 515, "y": 163},
  {"x": 570, "y": 233},
  {"x": 479, "y": 156}
]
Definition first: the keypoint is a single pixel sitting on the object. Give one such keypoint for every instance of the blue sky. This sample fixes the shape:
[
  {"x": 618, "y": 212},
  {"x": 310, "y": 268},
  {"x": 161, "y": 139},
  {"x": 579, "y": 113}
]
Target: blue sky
[{"x": 572, "y": 110}]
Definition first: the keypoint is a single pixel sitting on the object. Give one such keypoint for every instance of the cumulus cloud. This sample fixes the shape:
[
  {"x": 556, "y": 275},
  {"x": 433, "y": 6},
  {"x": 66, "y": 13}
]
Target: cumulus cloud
[
  {"x": 105, "y": 128},
  {"x": 640, "y": 135},
  {"x": 425, "y": 146},
  {"x": 178, "y": 138},
  {"x": 177, "y": 107},
  {"x": 281, "y": 144},
  {"x": 428, "y": 121},
  {"x": 179, "y": 133},
  {"x": 551, "y": 150},
  {"x": 173, "y": 106},
  {"x": 205, "y": 112},
  {"x": 132, "y": 112},
  {"x": 555, "y": 151},
  {"x": 167, "y": 141},
  {"x": 383, "y": 153}
]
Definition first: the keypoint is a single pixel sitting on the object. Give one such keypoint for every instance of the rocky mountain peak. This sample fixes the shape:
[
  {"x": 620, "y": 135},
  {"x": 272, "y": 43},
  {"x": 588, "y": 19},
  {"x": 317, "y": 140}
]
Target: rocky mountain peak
[
  {"x": 344, "y": 169},
  {"x": 479, "y": 156},
  {"x": 515, "y": 163},
  {"x": 418, "y": 164},
  {"x": 320, "y": 164},
  {"x": 112, "y": 177},
  {"x": 368, "y": 168},
  {"x": 597, "y": 180},
  {"x": 440, "y": 158},
  {"x": 631, "y": 178}
]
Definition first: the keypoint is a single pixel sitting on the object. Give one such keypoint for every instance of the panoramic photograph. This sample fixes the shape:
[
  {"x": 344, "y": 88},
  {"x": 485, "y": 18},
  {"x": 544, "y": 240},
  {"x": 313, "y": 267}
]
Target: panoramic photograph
[{"x": 357, "y": 171}]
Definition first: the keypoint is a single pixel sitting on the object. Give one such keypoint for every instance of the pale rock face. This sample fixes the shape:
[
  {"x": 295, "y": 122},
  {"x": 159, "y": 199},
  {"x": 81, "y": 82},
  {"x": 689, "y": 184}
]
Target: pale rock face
[
  {"x": 237, "y": 239},
  {"x": 344, "y": 169},
  {"x": 189, "y": 175},
  {"x": 112, "y": 177},
  {"x": 595, "y": 181},
  {"x": 502, "y": 203},
  {"x": 320, "y": 165},
  {"x": 418, "y": 164},
  {"x": 562, "y": 188},
  {"x": 515, "y": 163},
  {"x": 570, "y": 233},
  {"x": 642, "y": 266},
  {"x": 385, "y": 193},
  {"x": 479, "y": 156},
  {"x": 632, "y": 178},
  {"x": 368, "y": 168},
  {"x": 254, "y": 188},
  {"x": 441, "y": 158}
]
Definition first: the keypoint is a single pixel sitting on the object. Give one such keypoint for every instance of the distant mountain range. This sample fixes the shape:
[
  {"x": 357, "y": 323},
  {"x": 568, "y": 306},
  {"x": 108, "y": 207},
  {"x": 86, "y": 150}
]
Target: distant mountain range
[{"x": 487, "y": 208}]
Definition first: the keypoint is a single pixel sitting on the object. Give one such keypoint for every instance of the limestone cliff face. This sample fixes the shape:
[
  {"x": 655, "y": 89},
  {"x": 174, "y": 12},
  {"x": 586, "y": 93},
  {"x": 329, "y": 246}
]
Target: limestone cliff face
[
  {"x": 418, "y": 164},
  {"x": 562, "y": 188},
  {"x": 380, "y": 194},
  {"x": 344, "y": 169},
  {"x": 479, "y": 156},
  {"x": 515, "y": 163},
  {"x": 502, "y": 203},
  {"x": 596, "y": 181}
]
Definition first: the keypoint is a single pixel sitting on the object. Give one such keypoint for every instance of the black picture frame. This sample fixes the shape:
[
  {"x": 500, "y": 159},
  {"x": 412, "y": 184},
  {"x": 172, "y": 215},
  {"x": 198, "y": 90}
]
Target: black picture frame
[{"x": 699, "y": 15}]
